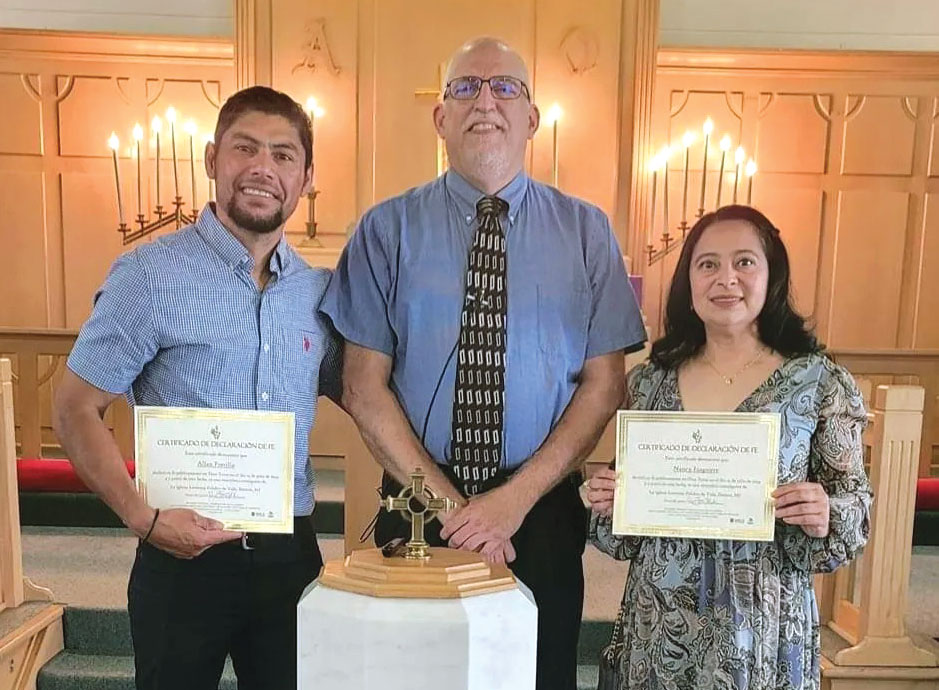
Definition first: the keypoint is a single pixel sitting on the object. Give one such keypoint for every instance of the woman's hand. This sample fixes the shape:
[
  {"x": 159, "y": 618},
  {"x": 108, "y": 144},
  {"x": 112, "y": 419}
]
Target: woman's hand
[
  {"x": 804, "y": 504},
  {"x": 600, "y": 491}
]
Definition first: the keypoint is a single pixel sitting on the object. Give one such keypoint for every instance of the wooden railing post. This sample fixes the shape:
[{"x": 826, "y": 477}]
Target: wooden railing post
[
  {"x": 880, "y": 633},
  {"x": 11, "y": 556}
]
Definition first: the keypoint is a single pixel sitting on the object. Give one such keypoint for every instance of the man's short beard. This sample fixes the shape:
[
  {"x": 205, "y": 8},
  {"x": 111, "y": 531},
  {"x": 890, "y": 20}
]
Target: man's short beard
[{"x": 262, "y": 225}]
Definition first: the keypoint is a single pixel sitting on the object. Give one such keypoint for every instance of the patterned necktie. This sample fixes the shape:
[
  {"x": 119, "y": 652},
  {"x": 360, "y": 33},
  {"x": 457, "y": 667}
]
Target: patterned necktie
[{"x": 478, "y": 396}]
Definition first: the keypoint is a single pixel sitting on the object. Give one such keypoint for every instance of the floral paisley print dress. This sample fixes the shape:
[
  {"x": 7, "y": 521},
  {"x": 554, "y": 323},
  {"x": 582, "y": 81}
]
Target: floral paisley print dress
[{"x": 742, "y": 615}]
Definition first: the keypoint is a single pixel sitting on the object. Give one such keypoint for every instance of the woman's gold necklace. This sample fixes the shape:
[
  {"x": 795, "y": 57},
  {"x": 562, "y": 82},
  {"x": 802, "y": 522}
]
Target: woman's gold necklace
[{"x": 729, "y": 380}]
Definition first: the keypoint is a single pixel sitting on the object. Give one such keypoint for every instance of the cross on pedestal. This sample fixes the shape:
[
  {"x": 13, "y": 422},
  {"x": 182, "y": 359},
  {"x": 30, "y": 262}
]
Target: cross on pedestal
[{"x": 418, "y": 504}]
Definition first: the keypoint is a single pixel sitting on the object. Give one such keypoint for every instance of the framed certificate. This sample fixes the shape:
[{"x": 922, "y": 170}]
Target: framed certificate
[
  {"x": 704, "y": 475},
  {"x": 235, "y": 466}
]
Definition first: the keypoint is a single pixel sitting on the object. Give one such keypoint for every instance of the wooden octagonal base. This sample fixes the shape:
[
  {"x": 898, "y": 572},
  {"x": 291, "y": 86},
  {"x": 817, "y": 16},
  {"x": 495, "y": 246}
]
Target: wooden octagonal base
[{"x": 447, "y": 574}]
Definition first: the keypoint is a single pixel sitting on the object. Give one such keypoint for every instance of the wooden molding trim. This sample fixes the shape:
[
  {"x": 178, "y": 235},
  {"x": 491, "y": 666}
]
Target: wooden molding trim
[
  {"x": 905, "y": 66},
  {"x": 253, "y": 57},
  {"x": 639, "y": 45},
  {"x": 59, "y": 45}
]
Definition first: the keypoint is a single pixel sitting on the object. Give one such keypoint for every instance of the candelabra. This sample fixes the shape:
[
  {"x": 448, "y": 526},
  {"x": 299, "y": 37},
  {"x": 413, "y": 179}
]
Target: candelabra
[
  {"x": 669, "y": 241},
  {"x": 144, "y": 226}
]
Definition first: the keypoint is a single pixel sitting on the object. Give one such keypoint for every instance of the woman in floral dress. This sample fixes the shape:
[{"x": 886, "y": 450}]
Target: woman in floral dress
[{"x": 702, "y": 613}]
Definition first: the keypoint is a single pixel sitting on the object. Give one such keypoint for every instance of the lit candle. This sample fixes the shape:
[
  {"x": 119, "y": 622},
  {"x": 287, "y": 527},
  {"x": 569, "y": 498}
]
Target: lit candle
[
  {"x": 553, "y": 116},
  {"x": 654, "y": 164},
  {"x": 725, "y": 147},
  {"x": 708, "y": 128},
  {"x": 751, "y": 171},
  {"x": 138, "y": 135},
  {"x": 156, "y": 125},
  {"x": 114, "y": 143},
  {"x": 738, "y": 161},
  {"x": 190, "y": 128},
  {"x": 206, "y": 140},
  {"x": 315, "y": 111},
  {"x": 664, "y": 155},
  {"x": 171, "y": 118},
  {"x": 687, "y": 140}
]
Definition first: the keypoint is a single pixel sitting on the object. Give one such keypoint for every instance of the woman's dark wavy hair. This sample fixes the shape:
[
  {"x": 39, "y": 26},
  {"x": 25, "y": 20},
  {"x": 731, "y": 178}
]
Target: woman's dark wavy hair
[{"x": 779, "y": 325}]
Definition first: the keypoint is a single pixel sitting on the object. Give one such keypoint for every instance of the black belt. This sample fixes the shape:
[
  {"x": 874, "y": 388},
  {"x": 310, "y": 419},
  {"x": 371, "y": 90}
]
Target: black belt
[{"x": 254, "y": 541}]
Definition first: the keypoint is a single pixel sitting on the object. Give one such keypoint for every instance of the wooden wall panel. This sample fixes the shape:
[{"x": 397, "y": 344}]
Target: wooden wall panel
[
  {"x": 22, "y": 114},
  {"x": 879, "y": 135},
  {"x": 927, "y": 323},
  {"x": 846, "y": 151},
  {"x": 797, "y": 214},
  {"x": 53, "y": 152},
  {"x": 797, "y": 128},
  {"x": 868, "y": 272},
  {"x": 24, "y": 262},
  {"x": 89, "y": 109}
]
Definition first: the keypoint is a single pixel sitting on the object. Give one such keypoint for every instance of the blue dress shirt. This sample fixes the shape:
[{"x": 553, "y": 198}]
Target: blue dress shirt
[
  {"x": 181, "y": 322},
  {"x": 399, "y": 289}
]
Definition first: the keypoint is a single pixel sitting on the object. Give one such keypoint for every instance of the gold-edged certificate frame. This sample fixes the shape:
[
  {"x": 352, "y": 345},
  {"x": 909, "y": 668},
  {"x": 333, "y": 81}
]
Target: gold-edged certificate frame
[
  {"x": 235, "y": 466},
  {"x": 699, "y": 475}
]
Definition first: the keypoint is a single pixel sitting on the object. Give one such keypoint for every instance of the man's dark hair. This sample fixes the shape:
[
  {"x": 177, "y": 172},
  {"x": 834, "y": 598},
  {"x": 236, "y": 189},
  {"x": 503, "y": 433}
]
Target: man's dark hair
[
  {"x": 264, "y": 99},
  {"x": 779, "y": 325}
]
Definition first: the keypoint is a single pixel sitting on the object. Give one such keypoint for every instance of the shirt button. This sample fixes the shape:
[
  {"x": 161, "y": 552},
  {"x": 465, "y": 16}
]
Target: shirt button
[
  {"x": 267, "y": 348},
  {"x": 469, "y": 218},
  {"x": 264, "y": 396}
]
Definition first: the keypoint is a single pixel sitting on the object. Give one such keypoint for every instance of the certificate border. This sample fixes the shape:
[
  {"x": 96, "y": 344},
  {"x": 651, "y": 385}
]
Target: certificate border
[
  {"x": 143, "y": 414},
  {"x": 763, "y": 532}
]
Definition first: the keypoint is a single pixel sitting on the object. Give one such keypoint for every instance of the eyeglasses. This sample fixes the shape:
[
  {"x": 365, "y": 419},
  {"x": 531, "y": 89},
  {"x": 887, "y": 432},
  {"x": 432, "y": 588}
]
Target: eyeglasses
[{"x": 503, "y": 88}]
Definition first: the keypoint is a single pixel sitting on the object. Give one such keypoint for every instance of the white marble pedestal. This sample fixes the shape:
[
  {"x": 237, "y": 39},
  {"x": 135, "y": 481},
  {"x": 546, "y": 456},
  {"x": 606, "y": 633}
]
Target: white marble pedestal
[{"x": 348, "y": 641}]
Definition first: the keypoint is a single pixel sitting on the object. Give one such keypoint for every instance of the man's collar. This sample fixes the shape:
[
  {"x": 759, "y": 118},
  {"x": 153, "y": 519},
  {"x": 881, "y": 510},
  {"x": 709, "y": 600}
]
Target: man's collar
[
  {"x": 467, "y": 196},
  {"x": 233, "y": 252}
]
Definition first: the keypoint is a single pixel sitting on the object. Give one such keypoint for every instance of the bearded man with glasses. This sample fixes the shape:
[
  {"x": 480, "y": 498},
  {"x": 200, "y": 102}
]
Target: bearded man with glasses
[{"x": 485, "y": 317}]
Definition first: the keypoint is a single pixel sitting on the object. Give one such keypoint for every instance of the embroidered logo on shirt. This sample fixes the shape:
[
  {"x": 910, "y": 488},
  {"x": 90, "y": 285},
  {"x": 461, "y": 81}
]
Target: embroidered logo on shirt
[{"x": 306, "y": 343}]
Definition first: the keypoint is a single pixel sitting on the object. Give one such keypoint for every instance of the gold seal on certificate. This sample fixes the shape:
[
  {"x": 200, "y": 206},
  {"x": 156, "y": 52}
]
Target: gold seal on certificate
[
  {"x": 235, "y": 466},
  {"x": 704, "y": 475}
]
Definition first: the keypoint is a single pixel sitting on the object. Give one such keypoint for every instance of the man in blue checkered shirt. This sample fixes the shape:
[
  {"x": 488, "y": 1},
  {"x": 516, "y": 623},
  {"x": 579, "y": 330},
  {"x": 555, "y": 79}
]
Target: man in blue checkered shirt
[{"x": 222, "y": 314}]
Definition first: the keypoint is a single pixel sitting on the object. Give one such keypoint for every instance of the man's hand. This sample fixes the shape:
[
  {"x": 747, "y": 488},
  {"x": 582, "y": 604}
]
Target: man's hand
[
  {"x": 486, "y": 523},
  {"x": 804, "y": 504},
  {"x": 186, "y": 534}
]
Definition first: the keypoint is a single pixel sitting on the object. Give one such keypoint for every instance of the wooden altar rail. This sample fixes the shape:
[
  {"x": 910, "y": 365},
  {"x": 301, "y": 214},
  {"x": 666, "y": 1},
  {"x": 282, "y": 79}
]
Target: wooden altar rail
[
  {"x": 918, "y": 367},
  {"x": 40, "y": 358},
  {"x": 865, "y": 603},
  {"x": 11, "y": 557}
]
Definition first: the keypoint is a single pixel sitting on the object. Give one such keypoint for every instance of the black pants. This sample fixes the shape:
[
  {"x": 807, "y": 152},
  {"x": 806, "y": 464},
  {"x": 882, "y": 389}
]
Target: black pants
[
  {"x": 187, "y": 615},
  {"x": 549, "y": 546}
]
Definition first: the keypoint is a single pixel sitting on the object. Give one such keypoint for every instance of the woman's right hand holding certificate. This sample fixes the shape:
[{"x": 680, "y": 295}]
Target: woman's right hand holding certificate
[{"x": 600, "y": 489}]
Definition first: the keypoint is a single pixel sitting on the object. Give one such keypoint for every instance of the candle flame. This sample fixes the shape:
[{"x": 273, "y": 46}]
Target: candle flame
[
  {"x": 171, "y": 115},
  {"x": 687, "y": 139},
  {"x": 739, "y": 155},
  {"x": 725, "y": 143},
  {"x": 554, "y": 114},
  {"x": 750, "y": 170},
  {"x": 190, "y": 128},
  {"x": 665, "y": 154},
  {"x": 657, "y": 162},
  {"x": 113, "y": 142},
  {"x": 708, "y": 126},
  {"x": 138, "y": 132},
  {"x": 156, "y": 124},
  {"x": 313, "y": 108}
]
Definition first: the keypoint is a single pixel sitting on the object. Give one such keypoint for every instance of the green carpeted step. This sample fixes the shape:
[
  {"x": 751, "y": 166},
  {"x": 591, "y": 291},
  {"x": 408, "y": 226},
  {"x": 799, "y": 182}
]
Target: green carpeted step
[
  {"x": 49, "y": 509},
  {"x": 90, "y": 631},
  {"x": 70, "y": 671},
  {"x": 107, "y": 632}
]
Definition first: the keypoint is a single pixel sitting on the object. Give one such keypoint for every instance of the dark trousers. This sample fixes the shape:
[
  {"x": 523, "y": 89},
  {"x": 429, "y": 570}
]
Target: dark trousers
[
  {"x": 549, "y": 546},
  {"x": 187, "y": 615}
]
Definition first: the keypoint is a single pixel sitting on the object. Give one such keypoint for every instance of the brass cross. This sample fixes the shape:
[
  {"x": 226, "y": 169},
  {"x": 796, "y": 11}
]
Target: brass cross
[{"x": 418, "y": 504}]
